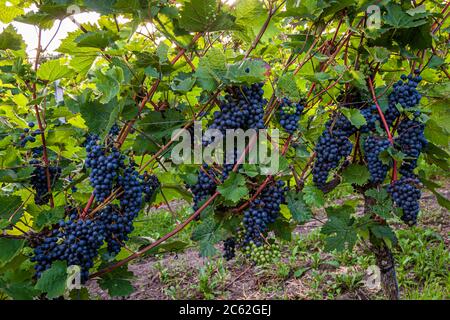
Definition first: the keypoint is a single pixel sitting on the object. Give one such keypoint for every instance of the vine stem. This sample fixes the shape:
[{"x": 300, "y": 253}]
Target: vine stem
[
  {"x": 386, "y": 127},
  {"x": 39, "y": 121},
  {"x": 263, "y": 29}
]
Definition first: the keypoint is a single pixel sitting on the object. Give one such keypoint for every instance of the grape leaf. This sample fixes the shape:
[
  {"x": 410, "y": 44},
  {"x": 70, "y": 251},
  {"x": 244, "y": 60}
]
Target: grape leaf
[
  {"x": 9, "y": 248},
  {"x": 341, "y": 234},
  {"x": 397, "y": 18},
  {"x": 117, "y": 282},
  {"x": 385, "y": 233},
  {"x": 211, "y": 69},
  {"x": 8, "y": 207},
  {"x": 96, "y": 39},
  {"x": 354, "y": 116},
  {"x": 10, "y": 39},
  {"x": 49, "y": 217},
  {"x": 356, "y": 173},
  {"x": 208, "y": 233},
  {"x": 298, "y": 207},
  {"x": 53, "y": 281},
  {"x": 234, "y": 188},
  {"x": 313, "y": 196},
  {"x": 53, "y": 70},
  {"x": 287, "y": 87},
  {"x": 247, "y": 71},
  {"x": 203, "y": 15}
]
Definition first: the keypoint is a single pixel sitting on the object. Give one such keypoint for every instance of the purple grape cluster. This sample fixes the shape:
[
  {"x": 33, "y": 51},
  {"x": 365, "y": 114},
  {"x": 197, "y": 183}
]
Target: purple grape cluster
[
  {"x": 412, "y": 141},
  {"x": 75, "y": 241},
  {"x": 262, "y": 212},
  {"x": 290, "y": 115},
  {"x": 406, "y": 195},
  {"x": 373, "y": 147},
  {"x": 39, "y": 181},
  {"x": 333, "y": 146}
]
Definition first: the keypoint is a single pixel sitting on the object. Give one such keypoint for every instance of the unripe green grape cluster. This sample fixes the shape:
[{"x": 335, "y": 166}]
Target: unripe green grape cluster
[{"x": 267, "y": 253}]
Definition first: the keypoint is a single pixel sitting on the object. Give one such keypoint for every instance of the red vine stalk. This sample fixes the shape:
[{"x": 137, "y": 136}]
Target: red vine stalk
[
  {"x": 39, "y": 121},
  {"x": 386, "y": 127}
]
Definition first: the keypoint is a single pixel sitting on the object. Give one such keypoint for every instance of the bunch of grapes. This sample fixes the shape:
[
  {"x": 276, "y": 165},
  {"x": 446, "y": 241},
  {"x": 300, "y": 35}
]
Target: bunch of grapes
[
  {"x": 75, "y": 241},
  {"x": 405, "y": 94},
  {"x": 119, "y": 220},
  {"x": 370, "y": 113},
  {"x": 333, "y": 145},
  {"x": 150, "y": 184},
  {"x": 243, "y": 108},
  {"x": 229, "y": 248},
  {"x": 406, "y": 195},
  {"x": 39, "y": 181},
  {"x": 263, "y": 254},
  {"x": 104, "y": 162},
  {"x": 372, "y": 149},
  {"x": 290, "y": 115},
  {"x": 205, "y": 186},
  {"x": 28, "y": 136},
  {"x": 412, "y": 141},
  {"x": 263, "y": 211}
]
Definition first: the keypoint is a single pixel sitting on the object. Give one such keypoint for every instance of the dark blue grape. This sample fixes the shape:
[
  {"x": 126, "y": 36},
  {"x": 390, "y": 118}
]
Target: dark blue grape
[
  {"x": 75, "y": 241},
  {"x": 290, "y": 115},
  {"x": 39, "y": 181},
  {"x": 372, "y": 149},
  {"x": 332, "y": 147},
  {"x": 229, "y": 248},
  {"x": 412, "y": 141},
  {"x": 262, "y": 212},
  {"x": 406, "y": 195}
]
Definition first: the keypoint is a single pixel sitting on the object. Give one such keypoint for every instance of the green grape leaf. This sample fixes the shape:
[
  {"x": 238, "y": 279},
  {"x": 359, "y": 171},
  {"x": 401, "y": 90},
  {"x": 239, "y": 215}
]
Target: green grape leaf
[
  {"x": 341, "y": 234},
  {"x": 251, "y": 170},
  {"x": 96, "y": 39},
  {"x": 300, "y": 211},
  {"x": 282, "y": 229},
  {"x": 49, "y": 217},
  {"x": 356, "y": 173},
  {"x": 9, "y": 248},
  {"x": 10, "y": 39},
  {"x": 156, "y": 129},
  {"x": 354, "y": 116},
  {"x": 109, "y": 83},
  {"x": 203, "y": 15},
  {"x": 211, "y": 69},
  {"x": 208, "y": 233},
  {"x": 53, "y": 281},
  {"x": 287, "y": 87},
  {"x": 53, "y": 70},
  {"x": 234, "y": 188},
  {"x": 117, "y": 282},
  {"x": 9, "y": 206},
  {"x": 385, "y": 233},
  {"x": 99, "y": 117},
  {"x": 397, "y": 18},
  {"x": 18, "y": 290},
  {"x": 379, "y": 54},
  {"x": 9, "y": 12},
  {"x": 247, "y": 71},
  {"x": 313, "y": 196}
]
